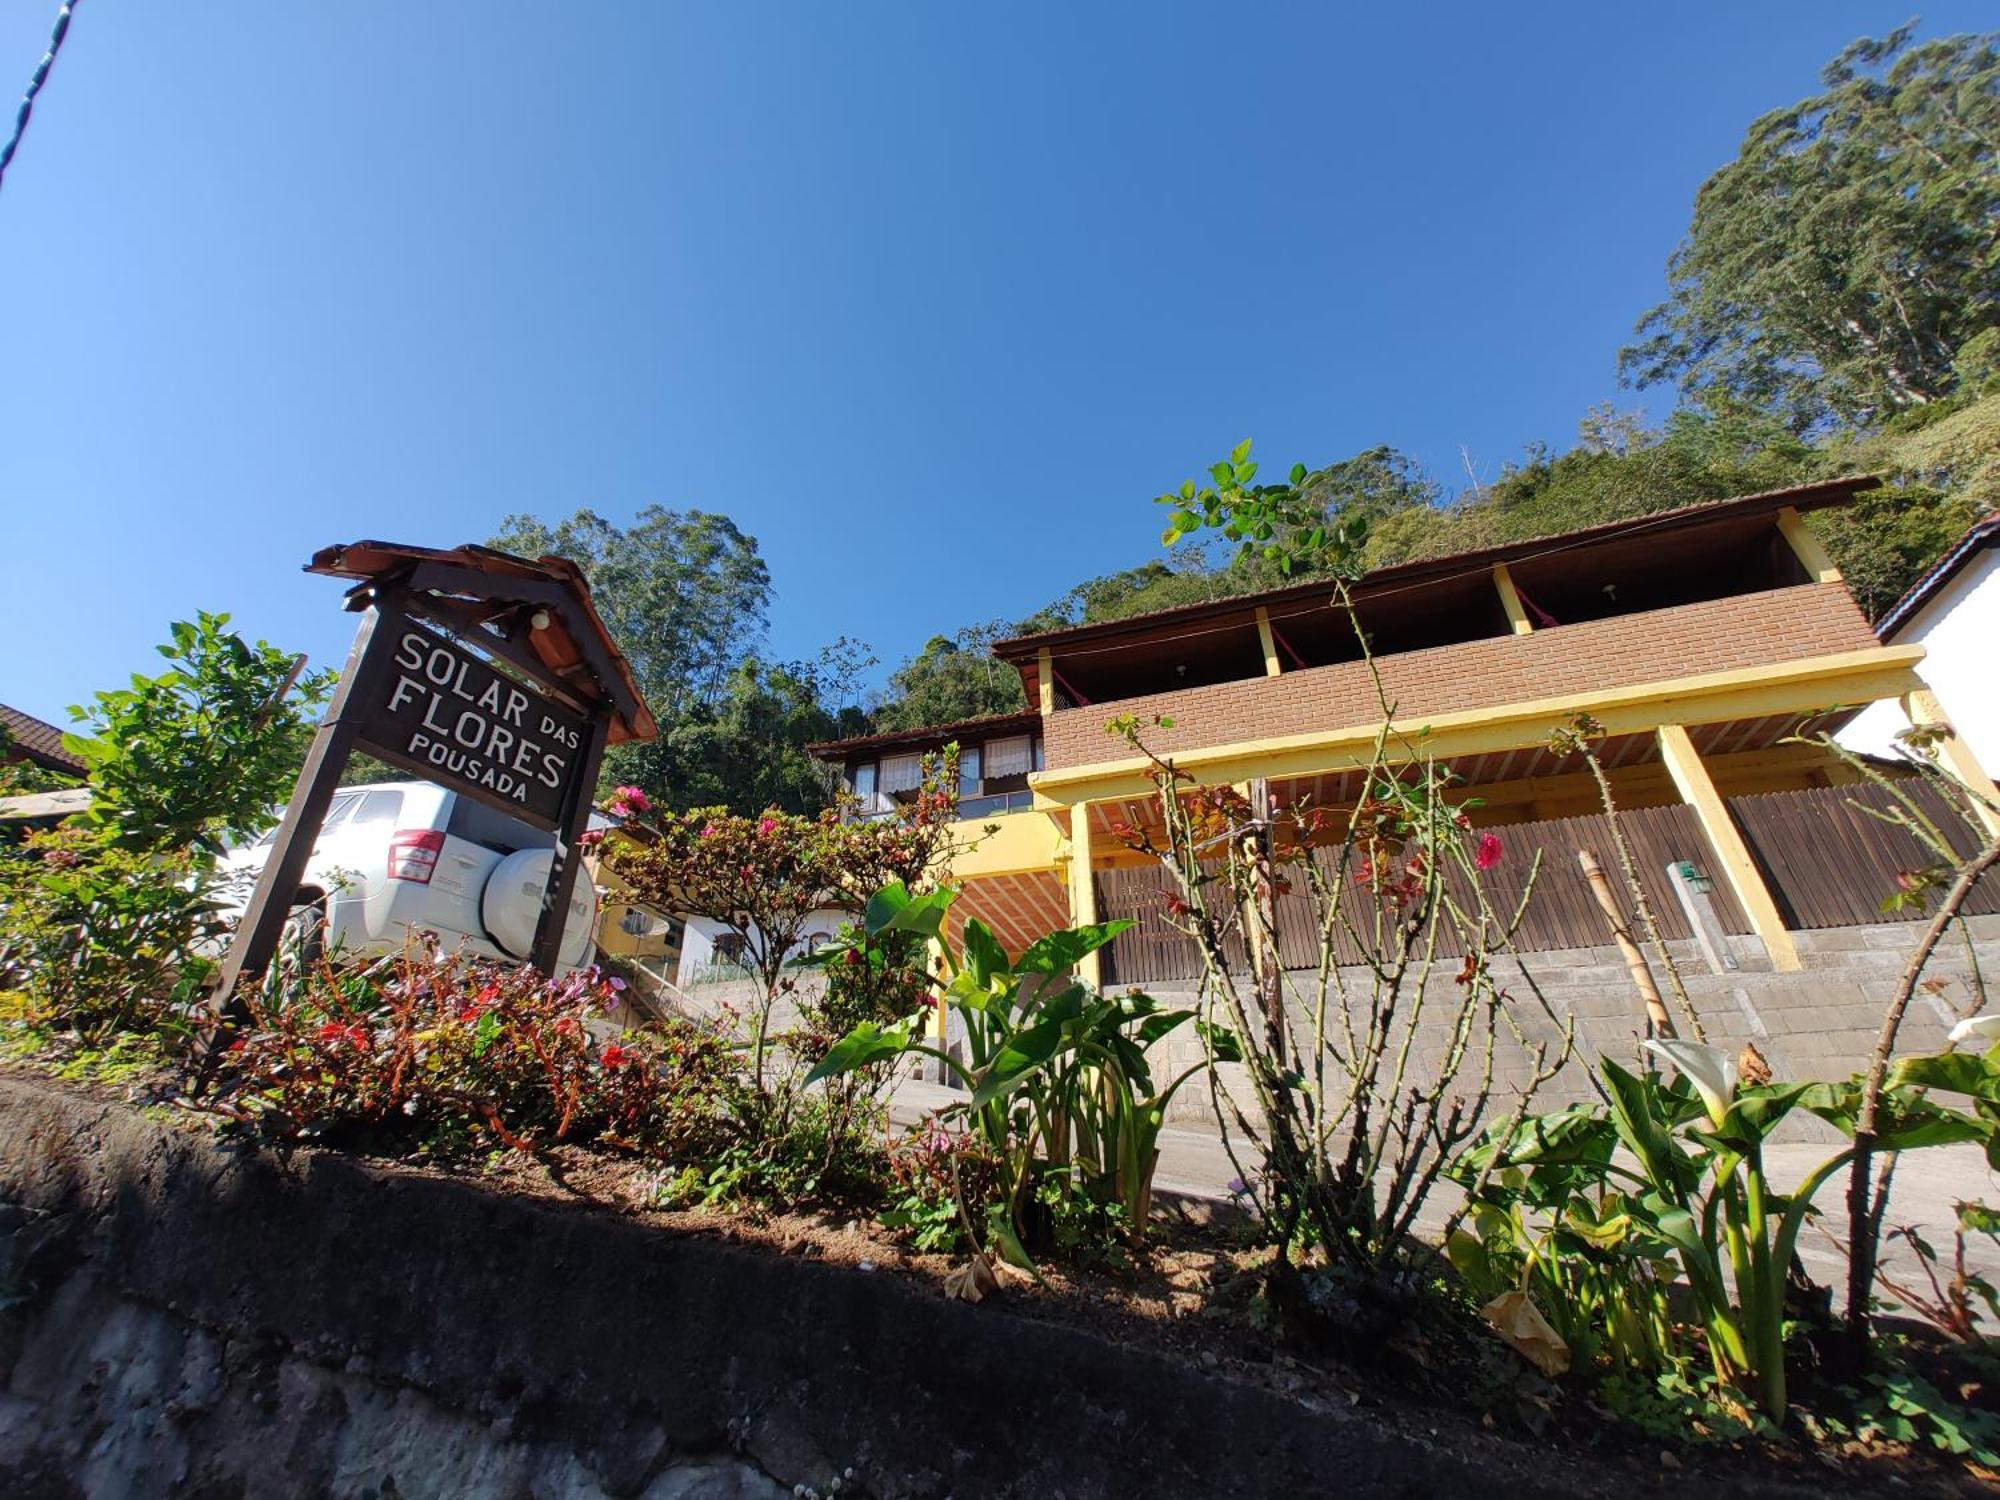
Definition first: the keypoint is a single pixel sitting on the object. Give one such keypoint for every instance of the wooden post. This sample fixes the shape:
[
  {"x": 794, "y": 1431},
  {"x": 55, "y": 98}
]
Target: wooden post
[
  {"x": 1083, "y": 891},
  {"x": 1272, "y": 666},
  {"x": 256, "y": 940},
  {"x": 1510, "y": 600},
  {"x": 1045, "y": 682},
  {"x": 1264, "y": 928},
  {"x": 546, "y": 954},
  {"x": 1922, "y": 709},
  {"x": 1806, "y": 547},
  {"x": 1698, "y": 791},
  {"x": 1658, "y": 1022}
]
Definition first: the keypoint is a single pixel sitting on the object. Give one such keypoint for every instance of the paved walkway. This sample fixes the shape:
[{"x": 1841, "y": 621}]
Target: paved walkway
[{"x": 1927, "y": 1185}]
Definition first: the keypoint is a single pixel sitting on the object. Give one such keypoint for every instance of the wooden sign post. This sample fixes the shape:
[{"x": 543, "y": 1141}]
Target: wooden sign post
[{"x": 486, "y": 673}]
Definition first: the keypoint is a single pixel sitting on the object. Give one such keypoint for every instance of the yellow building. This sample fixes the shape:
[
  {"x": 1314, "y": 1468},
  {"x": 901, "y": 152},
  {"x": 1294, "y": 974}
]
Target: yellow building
[{"x": 1700, "y": 638}]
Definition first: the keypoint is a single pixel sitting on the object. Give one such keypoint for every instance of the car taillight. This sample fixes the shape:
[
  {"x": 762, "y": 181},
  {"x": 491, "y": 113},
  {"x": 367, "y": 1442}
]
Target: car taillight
[{"x": 413, "y": 853}]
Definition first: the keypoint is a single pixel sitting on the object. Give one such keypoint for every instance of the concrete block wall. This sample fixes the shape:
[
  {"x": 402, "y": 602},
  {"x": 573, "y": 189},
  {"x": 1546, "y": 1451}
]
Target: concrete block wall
[{"x": 1819, "y": 1023}]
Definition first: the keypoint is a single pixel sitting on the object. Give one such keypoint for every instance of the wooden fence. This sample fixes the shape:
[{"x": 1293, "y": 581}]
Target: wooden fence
[
  {"x": 1830, "y": 864},
  {"x": 1562, "y": 913}
]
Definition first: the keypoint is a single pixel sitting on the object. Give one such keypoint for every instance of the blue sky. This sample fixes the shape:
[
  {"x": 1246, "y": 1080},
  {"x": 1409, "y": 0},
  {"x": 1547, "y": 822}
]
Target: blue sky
[{"x": 930, "y": 298}]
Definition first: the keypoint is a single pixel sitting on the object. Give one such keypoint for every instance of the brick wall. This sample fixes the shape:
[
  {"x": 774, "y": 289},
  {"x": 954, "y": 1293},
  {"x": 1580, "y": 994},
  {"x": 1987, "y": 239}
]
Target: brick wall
[{"x": 1815, "y": 619}]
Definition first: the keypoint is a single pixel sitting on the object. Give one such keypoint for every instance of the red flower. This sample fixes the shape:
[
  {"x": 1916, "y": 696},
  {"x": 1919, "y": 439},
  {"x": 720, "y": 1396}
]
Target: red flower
[
  {"x": 615, "y": 1056},
  {"x": 567, "y": 1026},
  {"x": 1489, "y": 852},
  {"x": 331, "y": 1032}
]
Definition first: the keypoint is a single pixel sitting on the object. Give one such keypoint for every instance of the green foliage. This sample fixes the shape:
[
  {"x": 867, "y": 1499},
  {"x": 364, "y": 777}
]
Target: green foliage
[
  {"x": 1061, "y": 1092},
  {"x": 746, "y": 749},
  {"x": 1839, "y": 264},
  {"x": 101, "y": 939},
  {"x": 685, "y": 595},
  {"x": 201, "y": 753},
  {"x": 20, "y": 777},
  {"x": 452, "y": 1057},
  {"x": 1556, "y": 1223},
  {"x": 1899, "y": 1405},
  {"x": 1696, "y": 1193},
  {"x": 953, "y": 678}
]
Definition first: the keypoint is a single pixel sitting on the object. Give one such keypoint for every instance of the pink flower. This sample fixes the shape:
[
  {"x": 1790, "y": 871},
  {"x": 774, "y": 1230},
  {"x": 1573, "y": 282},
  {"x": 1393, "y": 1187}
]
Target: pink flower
[
  {"x": 635, "y": 799},
  {"x": 767, "y": 825},
  {"x": 590, "y": 838},
  {"x": 1489, "y": 852}
]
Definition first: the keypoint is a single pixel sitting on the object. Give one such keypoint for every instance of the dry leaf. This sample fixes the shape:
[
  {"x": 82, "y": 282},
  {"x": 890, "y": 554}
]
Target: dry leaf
[
  {"x": 1521, "y": 1325},
  {"x": 971, "y": 1281},
  {"x": 1752, "y": 1067}
]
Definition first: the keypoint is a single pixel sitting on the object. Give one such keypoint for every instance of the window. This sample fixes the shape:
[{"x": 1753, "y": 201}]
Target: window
[
  {"x": 378, "y": 807},
  {"x": 477, "y": 823},
  {"x": 968, "y": 771},
  {"x": 902, "y": 773},
  {"x": 864, "y": 780},
  {"x": 1009, "y": 757}
]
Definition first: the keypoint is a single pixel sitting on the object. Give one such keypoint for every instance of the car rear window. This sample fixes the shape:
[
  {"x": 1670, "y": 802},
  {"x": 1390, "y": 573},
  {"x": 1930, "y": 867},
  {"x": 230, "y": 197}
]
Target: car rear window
[
  {"x": 379, "y": 807},
  {"x": 477, "y": 823}
]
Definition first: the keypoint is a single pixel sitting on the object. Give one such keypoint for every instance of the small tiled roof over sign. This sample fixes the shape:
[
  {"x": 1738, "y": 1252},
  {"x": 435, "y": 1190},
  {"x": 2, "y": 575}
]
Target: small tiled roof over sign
[{"x": 30, "y": 738}]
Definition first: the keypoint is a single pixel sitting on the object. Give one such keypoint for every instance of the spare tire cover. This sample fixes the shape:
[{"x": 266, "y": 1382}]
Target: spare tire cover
[{"x": 511, "y": 905}]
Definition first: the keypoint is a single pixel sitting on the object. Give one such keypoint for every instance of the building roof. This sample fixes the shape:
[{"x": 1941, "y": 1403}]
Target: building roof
[
  {"x": 575, "y": 645},
  {"x": 44, "y": 807},
  {"x": 39, "y": 742},
  {"x": 990, "y": 724},
  {"x": 1021, "y": 650},
  {"x": 1981, "y": 535}
]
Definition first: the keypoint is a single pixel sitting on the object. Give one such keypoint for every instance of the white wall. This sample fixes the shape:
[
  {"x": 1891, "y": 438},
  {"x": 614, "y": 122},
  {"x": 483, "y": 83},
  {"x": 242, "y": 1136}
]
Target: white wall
[
  {"x": 1959, "y": 630},
  {"x": 698, "y": 947}
]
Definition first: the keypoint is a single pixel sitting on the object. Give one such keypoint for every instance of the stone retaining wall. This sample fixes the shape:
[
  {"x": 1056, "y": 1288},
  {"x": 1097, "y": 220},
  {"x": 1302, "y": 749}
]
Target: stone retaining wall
[{"x": 181, "y": 1318}]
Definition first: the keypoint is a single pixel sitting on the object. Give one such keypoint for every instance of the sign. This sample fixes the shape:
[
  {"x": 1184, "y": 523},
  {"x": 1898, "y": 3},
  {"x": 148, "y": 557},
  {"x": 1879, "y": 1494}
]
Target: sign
[{"x": 445, "y": 713}]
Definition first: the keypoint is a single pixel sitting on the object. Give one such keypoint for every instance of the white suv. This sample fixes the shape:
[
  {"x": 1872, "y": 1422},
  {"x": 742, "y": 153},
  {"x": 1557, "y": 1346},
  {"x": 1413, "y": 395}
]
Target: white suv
[{"x": 408, "y": 856}]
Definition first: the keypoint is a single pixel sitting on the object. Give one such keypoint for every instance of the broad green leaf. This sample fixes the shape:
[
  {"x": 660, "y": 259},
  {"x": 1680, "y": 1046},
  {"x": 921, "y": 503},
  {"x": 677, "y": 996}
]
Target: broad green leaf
[
  {"x": 984, "y": 957},
  {"x": 865, "y": 1044},
  {"x": 1058, "y": 952},
  {"x": 883, "y": 907},
  {"x": 1223, "y": 1044},
  {"x": 1026, "y": 1054}
]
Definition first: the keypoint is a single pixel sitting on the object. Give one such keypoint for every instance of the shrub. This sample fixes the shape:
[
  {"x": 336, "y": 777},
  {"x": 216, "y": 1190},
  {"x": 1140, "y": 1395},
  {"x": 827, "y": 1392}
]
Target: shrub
[
  {"x": 100, "y": 939},
  {"x": 448, "y": 1055}
]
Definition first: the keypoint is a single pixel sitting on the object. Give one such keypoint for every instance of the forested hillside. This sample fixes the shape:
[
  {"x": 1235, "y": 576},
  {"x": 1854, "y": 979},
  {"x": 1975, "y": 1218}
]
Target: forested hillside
[{"x": 1834, "y": 308}]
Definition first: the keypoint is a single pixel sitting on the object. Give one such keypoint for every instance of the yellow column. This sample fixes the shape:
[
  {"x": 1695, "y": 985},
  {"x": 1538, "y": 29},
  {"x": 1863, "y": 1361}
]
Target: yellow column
[
  {"x": 1045, "y": 679},
  {"x": 1510, "y": 600},
  {"x": 1691, "y": 777},
  {"x": 1082, "y": 889},
  {"x": 1923, "y": 710},
  {"x": 1271, "y": 664},
  {"x": 1810, "y": 553}
]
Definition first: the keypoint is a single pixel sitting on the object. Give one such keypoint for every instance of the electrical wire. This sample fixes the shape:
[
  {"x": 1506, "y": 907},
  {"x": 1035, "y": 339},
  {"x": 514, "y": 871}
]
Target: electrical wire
[{"x": 35, "y": 82}]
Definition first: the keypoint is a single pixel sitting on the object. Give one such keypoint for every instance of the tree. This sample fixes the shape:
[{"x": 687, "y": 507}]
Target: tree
[
  {"x": 746, "y": 751},
  {"x": 765, "y": 877},
  {"x": 684, "y": 593},
  {"x": 203, "y": 752},
  {"x": 954, "y": 677},
  {"x": 1838, "y": 265}
]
